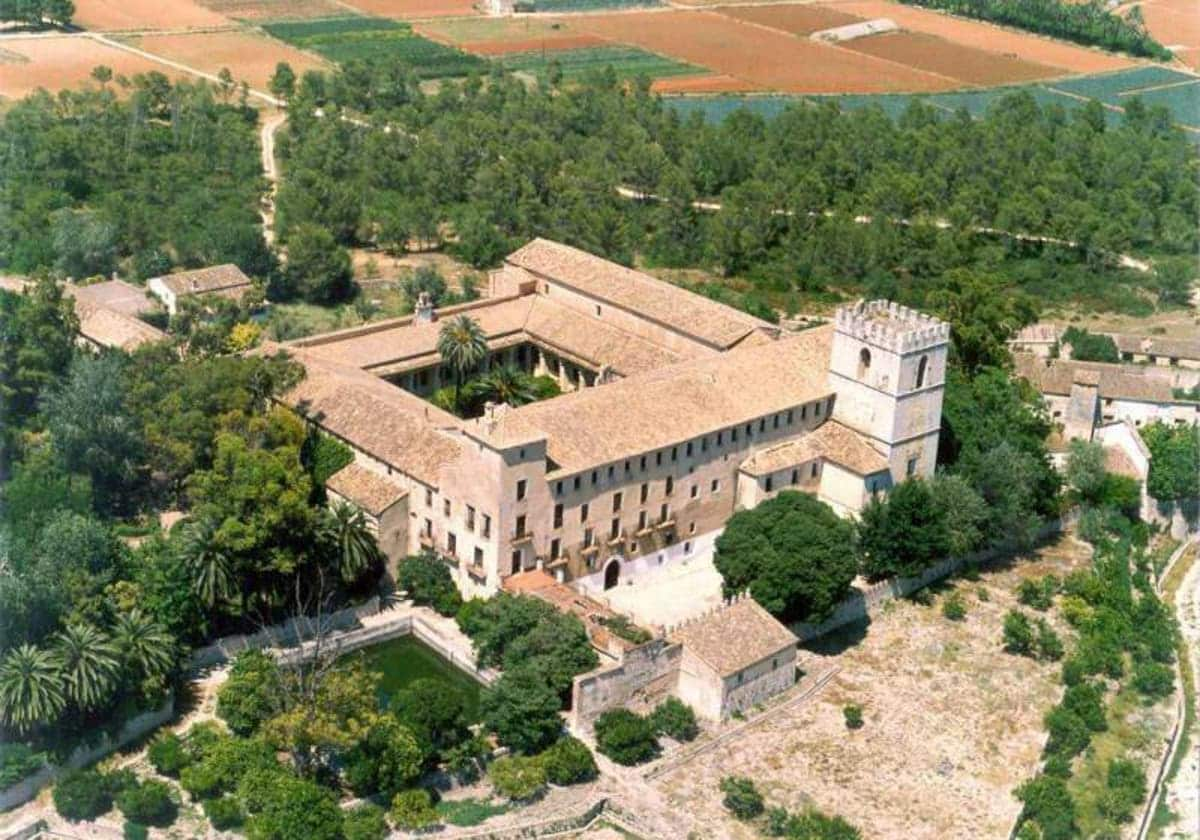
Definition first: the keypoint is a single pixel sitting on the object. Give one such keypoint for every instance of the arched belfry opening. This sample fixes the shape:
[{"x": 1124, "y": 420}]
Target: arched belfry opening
[{"x": 864, "y": 362}]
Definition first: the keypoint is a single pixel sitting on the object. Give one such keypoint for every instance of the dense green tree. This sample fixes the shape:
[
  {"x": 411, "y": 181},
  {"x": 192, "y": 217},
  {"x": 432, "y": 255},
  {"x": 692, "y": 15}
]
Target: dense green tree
[
  {"x": 1174, "y": 461},
  {"x": 318, "y": 268},
  {"x": 462, "y": 345},
  {"x": 1090, "y": 347},
  {"x": 557, "y": 647},
  {"x": 569, "y": 762},
  {"x": 625, "y": 737},
  {"x": 413, "y": 810},
  {"x": 283, "y": 81},
  {"x": 82, "y": 795},
  {"x": 387, "y": 760},
  {"x": 903, "y": 533},
  {"x": 794, "y": 554},
  {"x": 286, "y": 808},
  {"x": 522, "y": 709},
  {"x": 427, "y": 581},
  {"x": 517, "y": 777},
  {"x": 147, "y": 650},
  {"x": 252, "y": 694},
  {"x": 434, "y": 711},
  {"x": 1085, "y": 471}
]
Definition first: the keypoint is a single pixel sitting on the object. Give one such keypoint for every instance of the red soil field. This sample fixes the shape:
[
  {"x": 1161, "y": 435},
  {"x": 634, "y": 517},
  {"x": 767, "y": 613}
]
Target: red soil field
[
  {"x": 409, "y": 9},
  {"x": 765, "y": 58},
  {"x": 250, "y": 58},
  {"x": 54, "y": 63},
  {"x": 1174, "y": 23},
  {"x": 937, "y": 55},
  {"x": 106, "y": 15},
  {"x": 264, "y": 10},
  {"x": 984, "y": 36},
  {"x": 701, "y": 84},
  {"x": 798, "y": 19},
  {"x": 549, "y": 43}
]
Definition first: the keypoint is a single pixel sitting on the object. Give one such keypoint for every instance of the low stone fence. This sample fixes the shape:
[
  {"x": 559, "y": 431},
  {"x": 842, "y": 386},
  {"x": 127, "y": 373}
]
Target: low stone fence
[
  {"x": 647, "y": 671},
  {"x": 864, "y": 602},
  {"x": 543, "y": 828},
  {"x": 134, "y": 728},
  {"x": 288, "y": 633}
]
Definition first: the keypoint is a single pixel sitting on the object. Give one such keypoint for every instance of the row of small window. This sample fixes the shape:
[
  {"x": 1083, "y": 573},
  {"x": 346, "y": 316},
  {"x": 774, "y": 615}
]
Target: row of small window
[
  {"x": 618, "y": 499},
  {"x": 448, "y": 508},
  {"x": 733, "y": 435},
  {"x": 813, "y": 471}
]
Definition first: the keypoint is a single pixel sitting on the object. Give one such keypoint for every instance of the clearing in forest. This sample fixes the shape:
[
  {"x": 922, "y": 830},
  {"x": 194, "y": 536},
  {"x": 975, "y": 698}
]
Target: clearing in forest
[
  {"x": 763, "y": 57},
  {"x": 953, "y": 723},
  {"x": 65, "y": 61},
  {"x": 249, "y": 57}
]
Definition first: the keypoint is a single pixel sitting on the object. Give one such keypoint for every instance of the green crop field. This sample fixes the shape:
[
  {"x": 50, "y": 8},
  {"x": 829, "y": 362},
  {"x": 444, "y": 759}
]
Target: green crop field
[
  {"x": 347, "y": 39},
  {"x": 586, "y": 5},
  {"x": 627, "y": 62}
]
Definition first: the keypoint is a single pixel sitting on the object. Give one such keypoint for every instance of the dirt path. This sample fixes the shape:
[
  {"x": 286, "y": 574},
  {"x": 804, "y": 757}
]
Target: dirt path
[
  {"x": 271, "y": 170},
  {"x": 1183, "y": 794}
]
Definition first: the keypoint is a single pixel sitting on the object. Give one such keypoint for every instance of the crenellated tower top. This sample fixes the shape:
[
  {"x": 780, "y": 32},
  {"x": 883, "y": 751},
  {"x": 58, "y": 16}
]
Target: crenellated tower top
[{"x": 889, "y": 325}]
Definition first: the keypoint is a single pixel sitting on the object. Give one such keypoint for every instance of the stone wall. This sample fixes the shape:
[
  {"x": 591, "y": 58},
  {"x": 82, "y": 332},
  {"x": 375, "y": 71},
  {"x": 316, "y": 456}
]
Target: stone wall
[
  {"x": 761, "y": 682},
  {"x": 646, "y": 674}
]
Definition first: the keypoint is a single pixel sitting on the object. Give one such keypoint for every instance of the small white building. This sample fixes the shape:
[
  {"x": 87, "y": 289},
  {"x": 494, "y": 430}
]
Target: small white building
[{"x": 225, "y": 280}]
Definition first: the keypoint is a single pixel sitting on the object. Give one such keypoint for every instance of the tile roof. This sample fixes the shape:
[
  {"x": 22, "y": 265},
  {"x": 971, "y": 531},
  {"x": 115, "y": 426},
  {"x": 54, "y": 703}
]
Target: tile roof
[
  {"x": 365, "y": 488},
  {"x": 734, "y": 637},
  {"x": 116, "y": 295},
  {"x": 599, "y": 425},
  {"x": 1036, "y": 334},
  {"x": 205, "y": 280},
  {"x": 830, "y": 441},
  {"x": 716, "y": 324},
  {"x": 384, "y": 421},
  {"x": 110, "y": 328},
  {"x": 1175, "y": 348},
  {"x": 1123, "y": 382}
]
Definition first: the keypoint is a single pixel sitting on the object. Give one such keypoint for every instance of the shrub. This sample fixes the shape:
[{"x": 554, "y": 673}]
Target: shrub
[
  {"x": 427, "y": 581},
  {"x": 168, "y": 755},
  {"x": 1069, "y": 735},
  {"x": 517, "y": 777},
  {"x": 465, "y": 760},
  {"x": 225, "y": 761},
  {"x": 365, "y": 822},
  {"x": 982, "y": 594},
  {"x": 18, "y": 761},
  {"x": 82, "y": 795},
  {"x": 1049, "y": 646},
  {"x": 1038, "y": 594},
  {"x": 625, "y": 737},
  {"x": 742, "y": 798},
  {"x": 135, "y": 831},
  {"x": 675, "y": 719},
  {"x": 624, "y": 628},
  {"x": 149, "y": 803},
  {"x": 853, "y": 714},
  {"x": 250, "y": 697},
  {"x": 813, "y": 825},
  {"x": 283, "y": 807},
  {"x": 569, "y": 762},
  {"x": 954, "y": 607},
  {"x": 413, "y": 809},
  {"x": 523, "y": 710},
  {"x": 1153, "y": 679},
  {"x": 1125, "y": 789},
  {"x": 1048, "y": 803},
  {"x": 224, "y": 813},
  {"x": 1018, "y": 633},
  {"x": 1086, "y": 701}
]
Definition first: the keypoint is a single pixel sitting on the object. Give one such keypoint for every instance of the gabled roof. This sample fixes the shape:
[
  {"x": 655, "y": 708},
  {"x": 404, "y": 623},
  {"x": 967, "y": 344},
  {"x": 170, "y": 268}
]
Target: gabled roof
[
  {"x": 215, "y": 278},
  {"x": 831, "y": 441},
  {"x": 109, "y": 328},
  {"x": 1176, "y": 348},
  {"x": 369, "y": 490},
  {"x": 685, "y": 312},
  {"x": 1123, "y": 382},
  {"x": 116, "y": 295},
  {"x": 734, "y": 637}
]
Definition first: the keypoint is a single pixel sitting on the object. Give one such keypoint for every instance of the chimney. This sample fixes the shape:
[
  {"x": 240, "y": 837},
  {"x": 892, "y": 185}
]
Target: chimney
[{"x": 424, "y": 314}]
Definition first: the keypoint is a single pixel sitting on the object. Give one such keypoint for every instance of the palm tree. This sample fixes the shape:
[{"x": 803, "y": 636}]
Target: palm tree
[
  {"x": 463, "y": 346},
  {"x": 90, "y": 662},
  {"x": 144, "y": 644},
  {"x": 206, "y": 559},
  {"x": 505, "y": 384},
  {"x": 357, "y": 548},
  {"x": 31, "y": 687}
]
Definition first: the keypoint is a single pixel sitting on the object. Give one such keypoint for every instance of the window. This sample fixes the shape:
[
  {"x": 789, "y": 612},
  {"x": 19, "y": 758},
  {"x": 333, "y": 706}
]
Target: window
[
  {"x": 597, "y": 310},
  {"x": 789, "y": 417},
  {"x": 770, "y": 484},
  {"x": 516, "y": 561},
  {"x": 704, "y": 444},
  {"x": 864, "y": 362},
  {"x": 643, "y": 463},
  {"x": 617, "y": 501},
  {"x": 829, "y": 406},
  {"x": 658, "y": 459},
  {"x": 692, "y": 528},
  {"x": 816, "y": 409},
  {"x": 775, "y": 422},
  {"x": 803, "y": 412},
  {"x": 733, "y": 434},
  {"x": 795, "y": 476},
  {"x": 695, "y": 491},
  {"x": 911, "y": 470},
  {"x": 612, "y": 471},
  {"x": 720, "y": 438},
  {"x": 428, "y": 497},
  {"x": 688, "y": 451},
  {"x": 470, "y": 518},
  {"x": 670, "y": 484},
  {"x": 815, "y": 468},
  {"x": 583, "y": 512},
  {"x": 627, "y": 467},
  {"x": 446, "y": 507},
  {"x": 674, "y": 453},
  {"x": 429, "y": 527},
  {"x": 664, "y": 512},
  {"x": 554, "y": 549},
  {"x": 749, "y": 430},
  {"x": 558, "y": 513},
  {"x": 576, "y": 482},
  {"x": 762, "y": 424},
  {"x": 452, "y": 545},
  {"x": 478, "y": 556},
  {"x": 595, "y": 477},
  {"x": 615, "y": 531},
  {"x": 487, "y": 526},
  {"x": 642, "y": 520},
  {"x": 519, "y": 530},
  {"x": 558, "y": 488},
  {"x": 687, "y": 548},
  {"x": 645, "y": 492},
  {"x": 921, "y": 366},
  {"x": 520, "y": 489}
]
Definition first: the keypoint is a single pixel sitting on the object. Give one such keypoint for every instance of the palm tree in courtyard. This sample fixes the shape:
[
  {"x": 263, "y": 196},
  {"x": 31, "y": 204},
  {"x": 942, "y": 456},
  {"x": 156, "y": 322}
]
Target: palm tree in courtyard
[
  {"x": 145, "y": 645},
  {"x": 31, "y": 687},
  {"x": 505, "y": 384},
  {"x": 90, "y": 662},
  {"x": 463, "y": 347},
  {"x": 355, "y": 545},
  {"x": 207, "y": 562}
]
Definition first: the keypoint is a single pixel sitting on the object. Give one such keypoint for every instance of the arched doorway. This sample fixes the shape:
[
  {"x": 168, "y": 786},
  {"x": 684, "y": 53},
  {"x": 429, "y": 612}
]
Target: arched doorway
[{"x": 612, "y": 573}]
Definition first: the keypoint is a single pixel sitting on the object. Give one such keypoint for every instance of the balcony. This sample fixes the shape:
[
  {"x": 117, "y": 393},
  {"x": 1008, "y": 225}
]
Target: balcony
[
  {"x": 477, "y": 572},
  {"x": 590, "y": 549},
  {"x": 662, "y": 526},
  {"x": 619, "y": 538},
  {"x": 426, "y": 540},
  {"x": 522, "y": 538}
]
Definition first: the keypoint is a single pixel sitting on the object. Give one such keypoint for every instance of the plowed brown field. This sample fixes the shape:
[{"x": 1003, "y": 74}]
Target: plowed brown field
[
  {"x": 1175, "y": 23},
  {"x": 409, "y": 9},
  {"x": 987, "y": 37},
  {"x": 27, "y": 64},
  {"x": 250, "y": 58},
  {"x": 107, "y": 15},
  {"x": 549, "y": 44},
  {"x": 765, "y": 58},
  {"x": 937, "y": 55},
  {"x": 799, "y": 19},
  {"x": 701, "y": 84}
]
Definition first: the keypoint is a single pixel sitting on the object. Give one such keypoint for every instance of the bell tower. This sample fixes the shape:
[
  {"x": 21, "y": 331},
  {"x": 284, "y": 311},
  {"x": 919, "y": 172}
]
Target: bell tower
[{"x": 888, "y": 368}]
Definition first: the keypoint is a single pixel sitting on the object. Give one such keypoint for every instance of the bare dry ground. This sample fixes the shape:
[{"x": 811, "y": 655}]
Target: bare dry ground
[
  {"x": 1172, "y": 323},
  {"x": 109, "y": 15},
  {"x": 54, "y": 63},
  {"x": 953, "y": 724},
  {"x": 250, "y": 58}
]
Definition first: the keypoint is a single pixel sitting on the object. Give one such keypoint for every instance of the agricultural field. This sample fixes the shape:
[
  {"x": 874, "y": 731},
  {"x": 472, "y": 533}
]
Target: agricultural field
[
  {"x": 113, "y": 15},
  {"x": 953, "y": 723},
  {"x": 54, "y": 63},
  {"x": 346, "y": 39},
  {"x": 250, "y": 57},
  {"x": 799, "y": 19},
  {"x": 1176, "y": 25},
  {"x": 626, "y": 62},
  {"x": 945, "y": 58},
  {"x": 257, "y": 11},
  {"x": 413, "y": 9}
]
